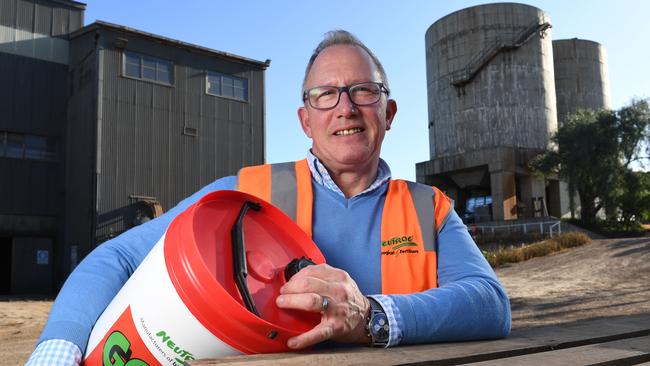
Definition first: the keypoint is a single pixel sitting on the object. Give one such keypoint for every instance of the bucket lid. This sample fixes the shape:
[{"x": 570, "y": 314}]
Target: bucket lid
[{"x": 202, "y": 265}]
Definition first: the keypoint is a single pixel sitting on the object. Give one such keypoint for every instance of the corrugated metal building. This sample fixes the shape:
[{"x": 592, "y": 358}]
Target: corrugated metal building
[
  {"x": 33, "y": 102},
  {"x": 105, "y": 126}
]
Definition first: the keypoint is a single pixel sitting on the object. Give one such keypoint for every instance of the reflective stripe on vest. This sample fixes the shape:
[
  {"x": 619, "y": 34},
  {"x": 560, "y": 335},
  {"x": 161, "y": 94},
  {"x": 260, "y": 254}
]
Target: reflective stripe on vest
[
  {"x": 408, "y": 254},
  {"x": 286, "y": 185}
]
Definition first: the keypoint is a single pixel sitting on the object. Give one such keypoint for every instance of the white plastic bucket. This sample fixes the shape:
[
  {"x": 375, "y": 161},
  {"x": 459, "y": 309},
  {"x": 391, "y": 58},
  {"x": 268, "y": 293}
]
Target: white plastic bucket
[{"x": 183, "y": 302}]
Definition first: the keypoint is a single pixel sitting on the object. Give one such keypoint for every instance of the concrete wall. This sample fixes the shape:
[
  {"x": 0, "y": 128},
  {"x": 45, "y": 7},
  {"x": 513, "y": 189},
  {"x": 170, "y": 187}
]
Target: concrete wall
[
  {"x": 581, "y": 76},
  {"x": 581, "y": 82},
  {"x": 511, "y": 99},
  {"x": 491, "y": 95}
]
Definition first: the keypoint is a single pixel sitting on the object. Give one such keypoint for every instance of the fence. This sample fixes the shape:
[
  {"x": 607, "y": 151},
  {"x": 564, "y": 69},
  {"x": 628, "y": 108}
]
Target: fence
[{"x": 551, "y": 228}]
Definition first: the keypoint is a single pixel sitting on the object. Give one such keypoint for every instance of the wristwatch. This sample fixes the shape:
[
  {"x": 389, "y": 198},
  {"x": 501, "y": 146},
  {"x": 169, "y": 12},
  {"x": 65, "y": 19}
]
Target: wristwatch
[{"x": 378, "y": 328}]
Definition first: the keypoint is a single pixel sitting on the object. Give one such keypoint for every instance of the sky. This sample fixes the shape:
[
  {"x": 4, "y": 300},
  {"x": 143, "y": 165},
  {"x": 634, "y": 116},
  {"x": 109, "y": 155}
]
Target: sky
[{"x": 287, "y": 31}]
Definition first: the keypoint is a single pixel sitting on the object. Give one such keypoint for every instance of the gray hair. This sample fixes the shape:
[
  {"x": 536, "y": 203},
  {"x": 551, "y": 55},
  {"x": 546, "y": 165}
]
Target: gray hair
[{"x": 342, "y": 37}]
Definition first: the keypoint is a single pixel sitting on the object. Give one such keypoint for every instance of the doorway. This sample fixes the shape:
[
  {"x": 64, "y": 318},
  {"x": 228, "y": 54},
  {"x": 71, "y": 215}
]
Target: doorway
[{"x": 6, "y": 254}]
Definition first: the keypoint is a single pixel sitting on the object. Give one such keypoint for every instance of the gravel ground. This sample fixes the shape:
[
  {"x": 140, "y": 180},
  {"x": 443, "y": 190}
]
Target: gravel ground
[
  {"x": 604, "y": 278},
  {"x": 607, "y": 277}
]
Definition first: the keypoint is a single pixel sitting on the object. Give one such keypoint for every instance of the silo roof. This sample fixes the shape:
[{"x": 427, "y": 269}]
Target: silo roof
[
  {"x": 483, "y": 6},
  {"x": 575, "y": 39}
]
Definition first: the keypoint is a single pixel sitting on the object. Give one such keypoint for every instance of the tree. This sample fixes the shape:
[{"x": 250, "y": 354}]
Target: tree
[
  {"x": 635, "y": 199},
  {"x": 593, "y": 151},
  {"x": 634, "y": 133}
]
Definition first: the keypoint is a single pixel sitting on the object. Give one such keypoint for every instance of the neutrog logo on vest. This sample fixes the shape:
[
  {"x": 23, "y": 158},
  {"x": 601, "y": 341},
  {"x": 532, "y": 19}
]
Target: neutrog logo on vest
[{"x": 399, "y": 245}]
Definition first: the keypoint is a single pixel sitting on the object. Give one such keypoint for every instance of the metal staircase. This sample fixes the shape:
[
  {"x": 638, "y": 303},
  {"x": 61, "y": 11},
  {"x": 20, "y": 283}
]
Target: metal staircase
[{"x": 465, "y": 75}]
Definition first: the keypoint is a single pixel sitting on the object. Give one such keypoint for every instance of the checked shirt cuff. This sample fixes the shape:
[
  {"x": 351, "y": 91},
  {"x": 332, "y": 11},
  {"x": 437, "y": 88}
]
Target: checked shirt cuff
[{"x": 55, "y": 352}]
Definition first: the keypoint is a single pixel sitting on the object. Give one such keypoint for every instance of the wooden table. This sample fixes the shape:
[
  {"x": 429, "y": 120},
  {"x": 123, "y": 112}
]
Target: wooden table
[{"x": 604, "y": 341}]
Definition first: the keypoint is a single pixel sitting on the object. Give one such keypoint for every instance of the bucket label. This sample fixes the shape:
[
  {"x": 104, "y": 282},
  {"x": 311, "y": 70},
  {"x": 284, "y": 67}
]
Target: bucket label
[
  {"x": 154, "y": 325},
  {"x": 121, "y": 346},
  {"x": 182, "y": 355}
]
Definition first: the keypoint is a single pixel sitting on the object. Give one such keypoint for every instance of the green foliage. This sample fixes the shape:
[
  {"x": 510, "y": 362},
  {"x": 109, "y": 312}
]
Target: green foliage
[
  {"x": 540, "y": 249},
  {"x": 634, "y": 201},
  {"x": 614, "y": 228},
  {"x": 593, "y": 151},
  {"x": 634, "y": 132}
]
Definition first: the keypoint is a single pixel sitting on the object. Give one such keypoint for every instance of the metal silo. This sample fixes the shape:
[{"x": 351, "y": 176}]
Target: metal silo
[
  {"x": 581, "y": 78},
  {"x": 491, "y": 94}
]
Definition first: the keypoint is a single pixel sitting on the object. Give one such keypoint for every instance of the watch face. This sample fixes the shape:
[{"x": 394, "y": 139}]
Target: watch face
[{"x": 379, "y": 328}]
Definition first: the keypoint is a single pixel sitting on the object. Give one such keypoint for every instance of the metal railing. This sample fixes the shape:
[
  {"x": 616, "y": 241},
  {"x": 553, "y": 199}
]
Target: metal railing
[
  {"x": 556, "y": 225},
  {"x": 542, "y": 227},
  {"x": 466, "y": 74}
]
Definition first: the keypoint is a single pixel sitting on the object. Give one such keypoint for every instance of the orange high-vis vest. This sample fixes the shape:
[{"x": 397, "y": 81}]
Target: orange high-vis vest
[{"x": 413, "y": 215}]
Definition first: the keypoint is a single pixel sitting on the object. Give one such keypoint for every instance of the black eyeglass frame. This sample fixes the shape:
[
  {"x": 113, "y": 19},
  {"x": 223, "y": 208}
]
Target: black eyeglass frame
[{"x": 341, "y": 89}]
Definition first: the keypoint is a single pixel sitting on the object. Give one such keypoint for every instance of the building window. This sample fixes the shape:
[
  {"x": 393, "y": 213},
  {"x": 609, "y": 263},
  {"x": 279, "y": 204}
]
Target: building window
[
  {"x": 25, "y": 146},
  {"x": 227, "y": 86},
  {"x": 148, "y": 68}
]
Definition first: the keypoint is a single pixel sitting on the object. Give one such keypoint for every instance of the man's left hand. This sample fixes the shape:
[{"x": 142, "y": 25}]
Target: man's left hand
[{"x": 343, "y": 319}]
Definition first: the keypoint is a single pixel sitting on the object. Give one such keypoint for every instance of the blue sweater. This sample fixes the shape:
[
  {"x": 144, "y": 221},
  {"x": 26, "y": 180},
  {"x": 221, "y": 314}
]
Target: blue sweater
[{"x": 470, "y": 303}]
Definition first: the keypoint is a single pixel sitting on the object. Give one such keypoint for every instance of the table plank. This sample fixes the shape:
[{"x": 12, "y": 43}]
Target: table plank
[
  {"x": 520, "y": 342},
  {"x": 631, "y": 350}
]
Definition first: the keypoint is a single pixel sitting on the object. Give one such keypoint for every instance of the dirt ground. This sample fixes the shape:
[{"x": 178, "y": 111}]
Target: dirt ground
[
  {"x": 604, "y": 278},
  {"x": 607, "y": 277},
  {"x": 20, "y": 325}
]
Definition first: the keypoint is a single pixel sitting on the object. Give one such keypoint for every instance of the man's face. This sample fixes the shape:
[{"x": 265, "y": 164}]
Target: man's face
[{"x": 346, "y": 137}]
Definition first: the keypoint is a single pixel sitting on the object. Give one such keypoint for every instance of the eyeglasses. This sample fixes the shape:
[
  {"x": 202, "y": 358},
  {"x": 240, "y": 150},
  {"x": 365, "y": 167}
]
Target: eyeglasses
[{"x": 327, "y": 97}]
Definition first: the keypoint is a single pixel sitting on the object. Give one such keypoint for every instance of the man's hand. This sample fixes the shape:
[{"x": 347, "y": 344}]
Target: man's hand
[{"x": 344, "y": 318}]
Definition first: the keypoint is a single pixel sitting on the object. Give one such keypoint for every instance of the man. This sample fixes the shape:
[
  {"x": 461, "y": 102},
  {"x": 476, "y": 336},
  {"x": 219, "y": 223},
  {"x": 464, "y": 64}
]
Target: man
[{"x": 441, "y": 291}]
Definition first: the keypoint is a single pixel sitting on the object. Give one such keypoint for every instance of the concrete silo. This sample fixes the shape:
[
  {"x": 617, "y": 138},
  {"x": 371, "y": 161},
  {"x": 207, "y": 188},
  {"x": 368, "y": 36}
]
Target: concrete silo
[
  {"x": 581, "y": 82},
  {"x": 581, "y": 77},
  {"x": 491, "y": 92}
]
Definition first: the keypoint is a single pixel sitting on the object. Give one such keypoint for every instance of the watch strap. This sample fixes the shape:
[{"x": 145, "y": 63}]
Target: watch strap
[{"x": 377, "y": 326}]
